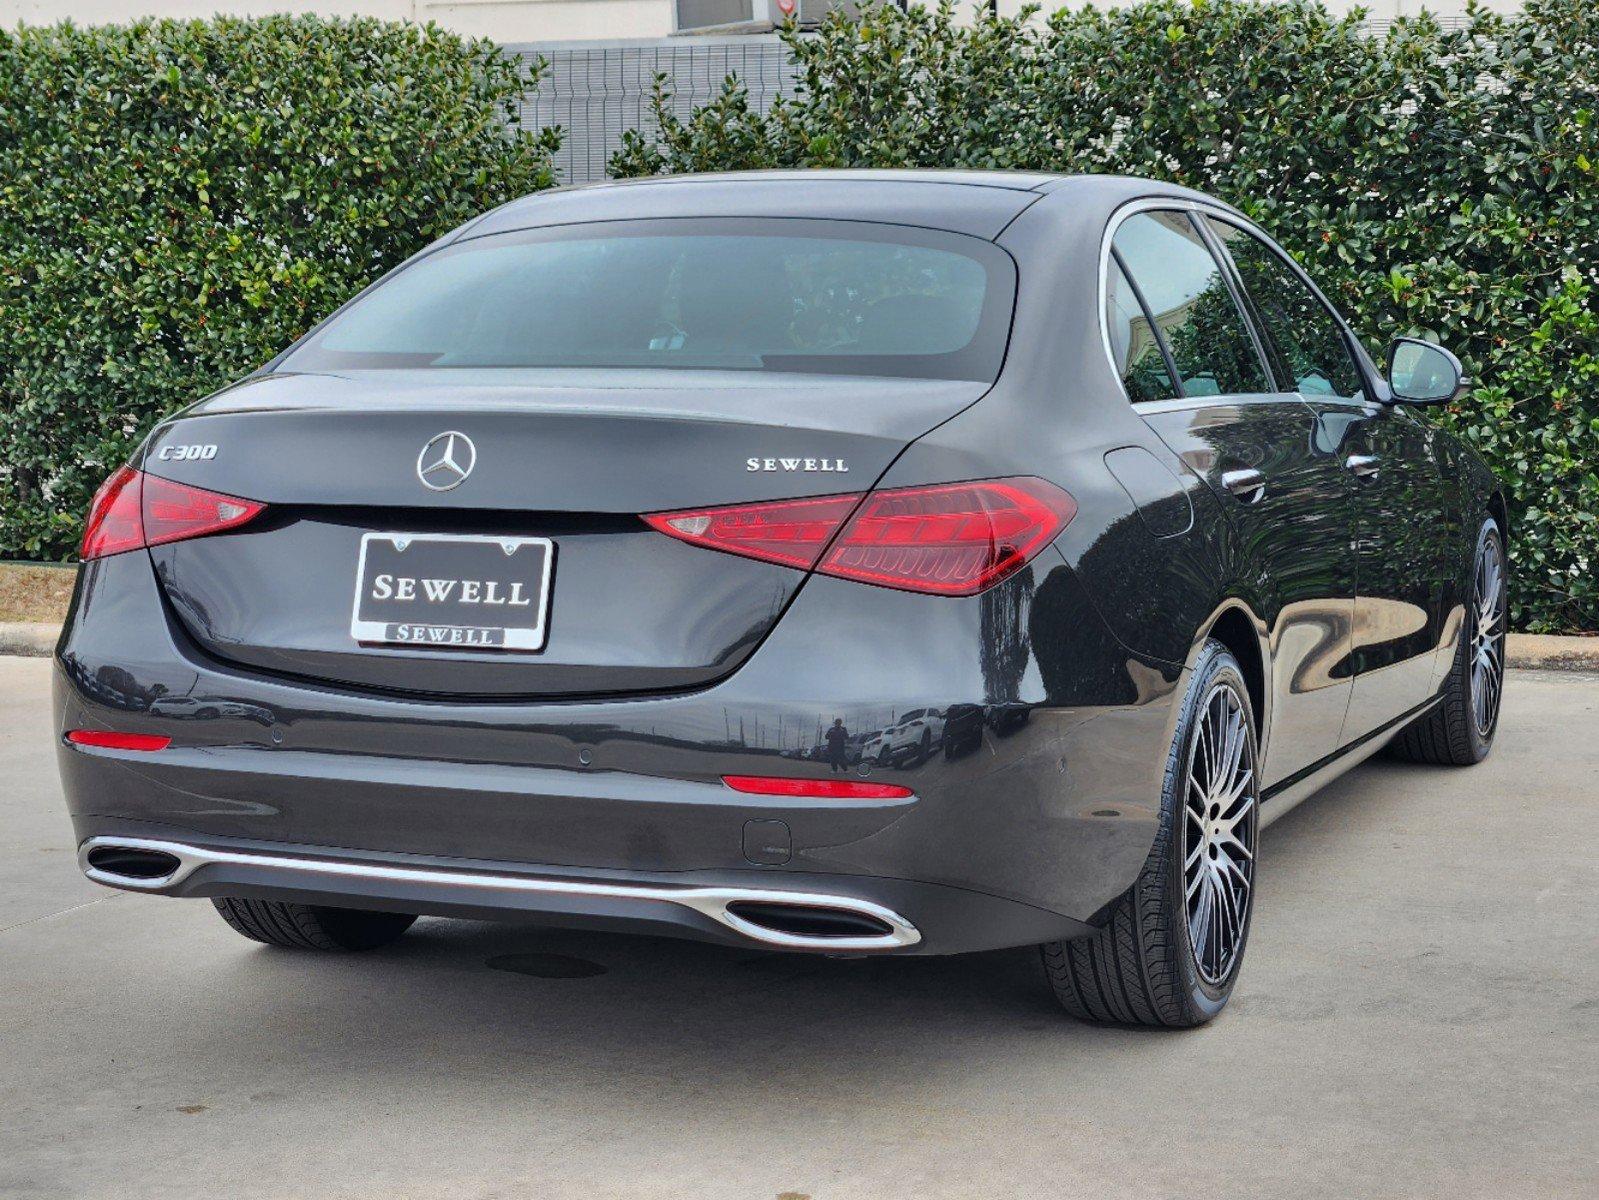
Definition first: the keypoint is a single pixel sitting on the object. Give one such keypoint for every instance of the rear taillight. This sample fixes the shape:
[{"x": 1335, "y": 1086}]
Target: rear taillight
[
  {"x": 791, "y": 532},
  {"x": 132, "y": 510},
  {"x": 953, "y": 539},
  {"x": 176, "y": 511},
  {"x": 114, "y": 523}
]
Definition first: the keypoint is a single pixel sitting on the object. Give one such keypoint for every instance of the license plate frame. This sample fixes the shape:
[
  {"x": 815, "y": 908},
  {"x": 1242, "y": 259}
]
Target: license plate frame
[{"x": 528, "y": 635}]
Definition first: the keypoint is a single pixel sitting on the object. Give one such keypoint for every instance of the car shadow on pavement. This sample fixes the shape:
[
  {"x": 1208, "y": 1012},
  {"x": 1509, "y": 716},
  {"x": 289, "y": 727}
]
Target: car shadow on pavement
[
  {"x": 654, "y": 1002},
  {"x": 660, "y": 1010},
  {"x": 612, "y": 1009}
]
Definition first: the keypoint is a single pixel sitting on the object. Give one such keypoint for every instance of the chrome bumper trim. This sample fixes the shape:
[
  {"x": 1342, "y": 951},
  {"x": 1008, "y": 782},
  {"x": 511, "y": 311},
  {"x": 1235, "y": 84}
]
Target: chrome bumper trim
[{"x": 710, "y": 901}]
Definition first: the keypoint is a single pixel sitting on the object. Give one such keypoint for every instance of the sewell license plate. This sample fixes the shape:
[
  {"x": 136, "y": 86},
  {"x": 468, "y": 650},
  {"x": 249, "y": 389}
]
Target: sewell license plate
[{"x": 439, "y": 589}]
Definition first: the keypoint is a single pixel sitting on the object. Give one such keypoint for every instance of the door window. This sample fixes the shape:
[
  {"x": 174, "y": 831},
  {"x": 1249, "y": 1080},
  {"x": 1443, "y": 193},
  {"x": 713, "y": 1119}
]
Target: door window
[
  {"x": 1133, "y": 344},
  {"x": 1308, "y": 346},
  {"x": 1190, "y": 304}
]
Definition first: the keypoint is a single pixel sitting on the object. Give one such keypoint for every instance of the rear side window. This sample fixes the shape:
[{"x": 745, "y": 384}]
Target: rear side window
[
  {"x": 1305, "y": 341},
  {"x": 1133, "y": 345},
  {"x": 1190, "y": 304},
  {"x": 835, "y": 298}
]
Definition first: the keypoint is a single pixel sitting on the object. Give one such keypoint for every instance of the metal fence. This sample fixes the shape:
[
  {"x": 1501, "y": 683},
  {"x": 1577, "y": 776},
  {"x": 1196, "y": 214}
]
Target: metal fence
[{"x": 597, "y": 90}]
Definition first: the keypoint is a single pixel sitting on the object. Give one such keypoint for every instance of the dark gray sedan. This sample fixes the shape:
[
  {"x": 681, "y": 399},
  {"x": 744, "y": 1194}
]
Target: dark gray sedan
[{"x": 844, "y": 562}]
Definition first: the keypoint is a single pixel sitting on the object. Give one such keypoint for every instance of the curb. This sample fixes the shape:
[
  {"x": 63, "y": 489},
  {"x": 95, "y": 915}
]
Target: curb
[
  {"x": 1549, "y": 652},
  {"x": 30, "y": 639},
  {"x": 1527, "y": 651}
]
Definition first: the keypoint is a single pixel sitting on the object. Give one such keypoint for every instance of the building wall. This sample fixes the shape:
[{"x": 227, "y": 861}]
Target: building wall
[
  {"x": 504, "y": 20},
  {"x": 520, "y": 20}
]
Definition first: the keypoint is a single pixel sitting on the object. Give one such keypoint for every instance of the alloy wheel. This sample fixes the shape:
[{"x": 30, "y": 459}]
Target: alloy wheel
[
  {"x": 1488, "y": 638},
  {"x": 1219, "y": 826}
]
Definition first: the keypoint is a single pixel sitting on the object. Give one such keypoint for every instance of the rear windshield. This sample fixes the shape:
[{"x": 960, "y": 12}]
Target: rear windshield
[{"x": 833, "y": 298}]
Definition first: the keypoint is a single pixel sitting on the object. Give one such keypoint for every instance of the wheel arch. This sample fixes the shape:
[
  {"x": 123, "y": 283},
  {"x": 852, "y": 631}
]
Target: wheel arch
[
  {"x": 1244, "y": 635},
  {"x": 1499, "y": 510}
]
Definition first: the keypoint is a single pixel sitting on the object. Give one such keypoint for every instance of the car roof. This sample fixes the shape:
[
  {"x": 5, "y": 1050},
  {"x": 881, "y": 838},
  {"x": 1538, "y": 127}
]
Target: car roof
[{"x": 978, "y": 203}]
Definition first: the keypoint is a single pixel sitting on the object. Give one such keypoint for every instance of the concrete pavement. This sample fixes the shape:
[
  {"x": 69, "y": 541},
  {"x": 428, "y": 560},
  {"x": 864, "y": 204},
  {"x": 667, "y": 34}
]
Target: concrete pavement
[{"x": 1418, "y": 1017}]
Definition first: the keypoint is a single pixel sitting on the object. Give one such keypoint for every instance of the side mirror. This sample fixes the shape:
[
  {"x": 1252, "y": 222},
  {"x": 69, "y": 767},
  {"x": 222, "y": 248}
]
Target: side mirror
[{"x": 1422, "y": 373}]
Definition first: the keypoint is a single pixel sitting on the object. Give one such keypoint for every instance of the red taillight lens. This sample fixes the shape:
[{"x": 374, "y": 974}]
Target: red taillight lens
[
  {"x": 114, "y": 523},
  {"x": 105, "y": 739},
  {"x": 132, "y": 510},
  {"x": 791, "y": 532},
  {"x": 175, "y": 511},
  {"x": 828, "y": 789},
  {"x": 955, "y": 539},
  {"x": 952, "y": 539}
]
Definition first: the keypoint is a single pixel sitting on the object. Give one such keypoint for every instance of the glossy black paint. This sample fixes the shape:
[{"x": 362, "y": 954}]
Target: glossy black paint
[
  {"x": 631, "y": 611},
  {"x": 669, "y": 666}
]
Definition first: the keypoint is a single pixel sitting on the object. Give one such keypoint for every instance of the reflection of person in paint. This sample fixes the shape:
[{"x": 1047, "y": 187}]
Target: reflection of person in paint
[{"x": 837, "y": 738}]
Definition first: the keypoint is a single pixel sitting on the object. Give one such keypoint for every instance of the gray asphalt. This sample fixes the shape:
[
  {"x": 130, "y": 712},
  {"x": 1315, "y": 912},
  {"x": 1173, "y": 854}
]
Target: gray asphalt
[{"x": 1418, "y": 1016}]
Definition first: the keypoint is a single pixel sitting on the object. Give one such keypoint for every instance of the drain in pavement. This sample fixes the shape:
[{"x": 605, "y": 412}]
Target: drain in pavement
[{"x": 546, "y": 966}]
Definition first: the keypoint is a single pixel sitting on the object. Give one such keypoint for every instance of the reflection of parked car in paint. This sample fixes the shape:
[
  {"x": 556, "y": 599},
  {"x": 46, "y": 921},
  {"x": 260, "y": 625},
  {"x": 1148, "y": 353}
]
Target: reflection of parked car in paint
[
  {"x": 913, "y": 738},
  {"x": 963, "y": 729}
]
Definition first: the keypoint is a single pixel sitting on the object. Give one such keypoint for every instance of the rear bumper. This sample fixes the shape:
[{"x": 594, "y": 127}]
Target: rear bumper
[
  {"x": 832, "y": 915},
  {"x": 1034, "y": 810}
]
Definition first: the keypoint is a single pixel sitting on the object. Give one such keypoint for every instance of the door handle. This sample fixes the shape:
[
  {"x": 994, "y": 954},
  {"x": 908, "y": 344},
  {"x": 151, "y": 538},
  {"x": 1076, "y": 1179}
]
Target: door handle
[
  {"x": 1249, "y": 485},
  {"x": 1364, "y": 465}
]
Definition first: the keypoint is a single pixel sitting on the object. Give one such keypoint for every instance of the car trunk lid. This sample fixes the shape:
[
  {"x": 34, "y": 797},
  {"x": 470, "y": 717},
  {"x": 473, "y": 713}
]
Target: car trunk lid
[{"x": 560, "y": 463}]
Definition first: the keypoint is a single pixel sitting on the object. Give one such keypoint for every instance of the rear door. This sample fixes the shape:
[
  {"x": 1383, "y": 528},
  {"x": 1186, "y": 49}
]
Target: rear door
[
  {"x": 1407, "y": 519},
  {"x": 1400, "y": 512},
  {"x": 1216, "y": 406}
]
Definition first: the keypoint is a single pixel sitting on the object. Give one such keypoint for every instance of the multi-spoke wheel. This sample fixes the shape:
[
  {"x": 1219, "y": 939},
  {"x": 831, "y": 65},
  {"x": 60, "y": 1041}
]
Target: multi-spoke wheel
[
  {"x": 1170, "y": 948},
  {"x": 1460, "y": 728},
  {"x": 1219, "y": 832}
]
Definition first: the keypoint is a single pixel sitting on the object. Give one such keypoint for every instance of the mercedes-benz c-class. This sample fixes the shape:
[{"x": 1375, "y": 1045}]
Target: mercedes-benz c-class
[{"x": 858, "y": 563}]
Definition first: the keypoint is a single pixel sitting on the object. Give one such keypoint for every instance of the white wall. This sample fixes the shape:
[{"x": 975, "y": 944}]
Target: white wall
[
  {"x": 1376, "y": 10},
  {"x": 518, "y": 20},
  {"x": 100, "y": 12},
  {"x": 503, "y": 20},
  {"x": 549, "y": 20}
]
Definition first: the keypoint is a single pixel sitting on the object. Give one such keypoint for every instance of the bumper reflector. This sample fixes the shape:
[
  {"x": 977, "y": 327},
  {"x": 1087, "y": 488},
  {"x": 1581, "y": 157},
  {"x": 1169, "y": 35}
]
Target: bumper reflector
[
  {"x": 826, "y": 789},
  {"x": 106, "y": 739}
]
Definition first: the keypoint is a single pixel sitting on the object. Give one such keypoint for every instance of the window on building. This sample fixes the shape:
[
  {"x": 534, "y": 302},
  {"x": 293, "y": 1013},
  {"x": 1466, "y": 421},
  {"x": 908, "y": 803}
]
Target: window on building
[{"x": 707, "y": 14}]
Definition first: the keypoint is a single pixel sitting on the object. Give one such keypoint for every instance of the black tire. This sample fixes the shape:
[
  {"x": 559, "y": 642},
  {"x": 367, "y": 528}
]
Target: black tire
[
  {"x": 311, "y": 927},
  {"x": 1451, "y": 734},
  {"x": 1140, "y": 967}
]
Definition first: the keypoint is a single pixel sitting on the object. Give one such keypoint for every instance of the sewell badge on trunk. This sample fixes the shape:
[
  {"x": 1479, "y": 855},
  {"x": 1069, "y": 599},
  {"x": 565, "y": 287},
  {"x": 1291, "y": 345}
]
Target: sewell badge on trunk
[{"x": 434, "y": 589}]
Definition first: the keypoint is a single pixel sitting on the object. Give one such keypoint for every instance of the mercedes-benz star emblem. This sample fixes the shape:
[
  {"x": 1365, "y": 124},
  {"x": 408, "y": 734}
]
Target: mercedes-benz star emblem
[{"x": 446, "y": 460}]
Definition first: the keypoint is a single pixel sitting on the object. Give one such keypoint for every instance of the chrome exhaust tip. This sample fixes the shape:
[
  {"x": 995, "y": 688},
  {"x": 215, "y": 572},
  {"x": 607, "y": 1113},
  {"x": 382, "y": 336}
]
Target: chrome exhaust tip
[{"x": 131, "y": 864}]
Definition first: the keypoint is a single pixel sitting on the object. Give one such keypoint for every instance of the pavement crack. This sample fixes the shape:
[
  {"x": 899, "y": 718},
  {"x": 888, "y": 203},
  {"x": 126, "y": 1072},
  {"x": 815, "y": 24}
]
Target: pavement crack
[{"x": 60, "y": 913}]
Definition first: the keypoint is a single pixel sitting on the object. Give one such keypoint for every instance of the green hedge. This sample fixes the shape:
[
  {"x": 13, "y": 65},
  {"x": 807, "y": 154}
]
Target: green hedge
[
  {"x": 179, "y": 200},
  {"x": 1440, "y": 182}
]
